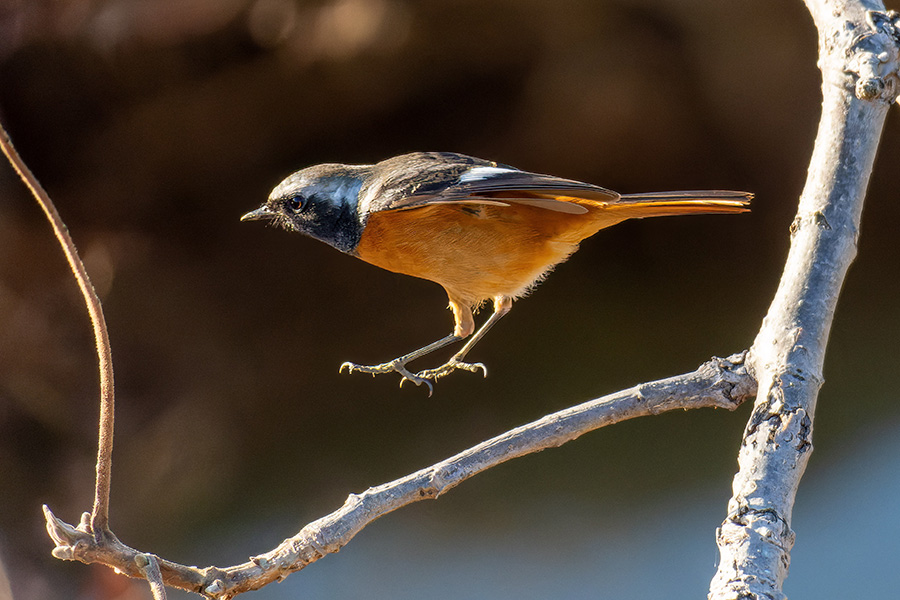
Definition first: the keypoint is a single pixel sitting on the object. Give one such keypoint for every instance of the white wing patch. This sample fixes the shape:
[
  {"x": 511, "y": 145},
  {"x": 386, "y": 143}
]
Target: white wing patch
[{"x": 483, "y": 173}]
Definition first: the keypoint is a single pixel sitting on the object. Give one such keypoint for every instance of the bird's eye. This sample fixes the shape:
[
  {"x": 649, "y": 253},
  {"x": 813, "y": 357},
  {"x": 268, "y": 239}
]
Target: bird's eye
[{"x": 296, "y": 203}]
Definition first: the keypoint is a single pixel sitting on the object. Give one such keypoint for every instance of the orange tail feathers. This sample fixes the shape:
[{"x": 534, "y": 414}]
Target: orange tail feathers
[{"x": 660, "y": 204}]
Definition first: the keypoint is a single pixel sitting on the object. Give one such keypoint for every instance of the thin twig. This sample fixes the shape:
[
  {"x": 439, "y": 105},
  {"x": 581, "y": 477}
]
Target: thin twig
[
  {"x": 149, "y": 566},
  {"x": 99, "y": 522},
  {"x": 859, "y": 62},
  {"x": 719, "y": 383}
]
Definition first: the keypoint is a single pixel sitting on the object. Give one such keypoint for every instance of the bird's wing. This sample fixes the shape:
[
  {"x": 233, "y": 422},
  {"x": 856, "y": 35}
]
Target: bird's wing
[{"x": 422, "y": 179}]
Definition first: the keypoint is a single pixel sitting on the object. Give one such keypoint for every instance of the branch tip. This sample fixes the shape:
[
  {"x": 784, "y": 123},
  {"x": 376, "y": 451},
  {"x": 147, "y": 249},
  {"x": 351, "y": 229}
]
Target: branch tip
[{"x": 61, "y": 532}]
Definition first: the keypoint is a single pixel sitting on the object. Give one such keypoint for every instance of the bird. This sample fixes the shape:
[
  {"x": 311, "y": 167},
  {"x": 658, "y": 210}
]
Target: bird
[{"x": 483, "y": 230}]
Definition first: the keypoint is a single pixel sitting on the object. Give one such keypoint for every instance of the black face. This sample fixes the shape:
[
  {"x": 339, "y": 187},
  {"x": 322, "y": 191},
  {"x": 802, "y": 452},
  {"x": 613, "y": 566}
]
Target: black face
[
  {"x": 317, "y": 215},
  {"x": 319, "y": 201}
]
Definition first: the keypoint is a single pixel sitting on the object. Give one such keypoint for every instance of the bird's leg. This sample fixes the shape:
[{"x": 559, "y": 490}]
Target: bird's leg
[
  {"x": 464, "y": 326},
  {"x": 502, "y": 305}
]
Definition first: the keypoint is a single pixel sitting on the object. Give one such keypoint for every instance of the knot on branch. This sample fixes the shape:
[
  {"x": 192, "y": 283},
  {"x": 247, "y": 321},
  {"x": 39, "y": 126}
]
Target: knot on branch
[
  {"x": 874, "y": 57},
  {"x": 734, "y": 379},
  {"x": 885, "y": 22},
  {"x": 215, "y": 589},
  {"x": 750, "y": 517},
  {"x": 749, "y": 523}
]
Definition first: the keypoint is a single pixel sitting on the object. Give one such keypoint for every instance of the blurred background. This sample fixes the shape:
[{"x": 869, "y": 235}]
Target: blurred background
[{"x": 155, "y": 125}]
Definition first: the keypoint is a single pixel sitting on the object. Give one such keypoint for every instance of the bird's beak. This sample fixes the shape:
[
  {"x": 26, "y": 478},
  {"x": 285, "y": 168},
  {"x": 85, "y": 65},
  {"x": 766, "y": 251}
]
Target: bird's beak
[{"x": 260, "y": 214}]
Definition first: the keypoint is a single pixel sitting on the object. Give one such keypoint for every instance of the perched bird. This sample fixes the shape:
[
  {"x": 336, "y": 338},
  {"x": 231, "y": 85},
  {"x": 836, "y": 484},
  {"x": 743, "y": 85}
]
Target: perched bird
[{"x": 481, "y": 229}]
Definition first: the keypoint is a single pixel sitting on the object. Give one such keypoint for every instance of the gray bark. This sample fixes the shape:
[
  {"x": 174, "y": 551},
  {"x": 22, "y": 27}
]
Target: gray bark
[{"x": 858, "y": 59}]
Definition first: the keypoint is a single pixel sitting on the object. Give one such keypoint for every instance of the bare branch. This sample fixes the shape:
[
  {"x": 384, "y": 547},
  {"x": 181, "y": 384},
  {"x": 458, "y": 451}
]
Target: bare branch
[
  {"x": 859, "y": 61},
  {"x": 719, "y": 383},
  {"x": 100, "y": 513}
]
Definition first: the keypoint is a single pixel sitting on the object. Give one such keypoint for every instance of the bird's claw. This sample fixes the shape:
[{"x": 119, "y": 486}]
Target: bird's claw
[
  {"x": 389, "y": 367},
  {"x": 370, "y": 369},
  {"x": 418, "y": 381}
]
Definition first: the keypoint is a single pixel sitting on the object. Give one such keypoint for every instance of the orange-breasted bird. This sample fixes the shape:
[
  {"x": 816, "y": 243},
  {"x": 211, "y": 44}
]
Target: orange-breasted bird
[{"x": 481, "y": 229}]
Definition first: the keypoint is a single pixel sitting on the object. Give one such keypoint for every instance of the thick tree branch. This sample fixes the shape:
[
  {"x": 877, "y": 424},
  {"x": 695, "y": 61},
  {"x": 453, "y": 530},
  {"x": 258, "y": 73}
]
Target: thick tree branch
[
  {"x": 858, "y": 59},
  {"x": 719, "y": 383}
]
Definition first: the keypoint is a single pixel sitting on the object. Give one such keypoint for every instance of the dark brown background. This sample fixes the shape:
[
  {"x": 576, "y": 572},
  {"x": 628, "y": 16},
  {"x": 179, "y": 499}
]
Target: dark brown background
[{"x": 155, "y": 125}]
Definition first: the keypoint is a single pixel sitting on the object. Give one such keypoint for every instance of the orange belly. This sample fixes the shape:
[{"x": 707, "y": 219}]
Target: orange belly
[{"x": 476, "y": 252}]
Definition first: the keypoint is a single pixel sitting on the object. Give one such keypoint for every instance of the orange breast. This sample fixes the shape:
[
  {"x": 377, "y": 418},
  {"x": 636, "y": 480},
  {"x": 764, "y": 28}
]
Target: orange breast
[{"x": 476, "y": 252}]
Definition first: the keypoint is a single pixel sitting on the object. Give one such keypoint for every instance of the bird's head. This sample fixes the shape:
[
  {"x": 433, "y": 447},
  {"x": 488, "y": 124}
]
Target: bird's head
[{"x": 319, "y": 201}]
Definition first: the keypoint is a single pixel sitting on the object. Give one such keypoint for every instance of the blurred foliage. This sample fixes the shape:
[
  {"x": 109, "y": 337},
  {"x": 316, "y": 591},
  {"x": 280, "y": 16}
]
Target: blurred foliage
[{"x": 156, "y": 124}]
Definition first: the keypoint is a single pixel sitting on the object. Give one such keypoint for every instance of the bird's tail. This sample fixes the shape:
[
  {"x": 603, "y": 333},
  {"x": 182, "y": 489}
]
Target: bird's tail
[{"x": 660, "y": 204}]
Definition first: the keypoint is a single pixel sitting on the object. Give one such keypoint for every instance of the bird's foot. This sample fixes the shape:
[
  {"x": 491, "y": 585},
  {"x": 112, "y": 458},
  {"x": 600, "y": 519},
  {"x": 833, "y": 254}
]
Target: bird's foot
[
  {"x": 450, "y": 366},
  {"x": 394, "y": 366},
  {"x": 420, "y": 378}
]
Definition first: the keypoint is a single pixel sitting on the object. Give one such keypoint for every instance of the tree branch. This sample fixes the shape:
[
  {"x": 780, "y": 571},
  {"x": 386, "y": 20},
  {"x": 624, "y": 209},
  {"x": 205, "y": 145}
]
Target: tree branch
[
  {"x": 99, "y": 522},
  {"x": 859, "y": 60},
  {"x": 719, "y": 383}
]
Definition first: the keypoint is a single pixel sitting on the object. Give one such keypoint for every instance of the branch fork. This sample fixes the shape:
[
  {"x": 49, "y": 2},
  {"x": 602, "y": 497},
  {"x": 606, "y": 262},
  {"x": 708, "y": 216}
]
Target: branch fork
[{"x": 718, "y": 383}]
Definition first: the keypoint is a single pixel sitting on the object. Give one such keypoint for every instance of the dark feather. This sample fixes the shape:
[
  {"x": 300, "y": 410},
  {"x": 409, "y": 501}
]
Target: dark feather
[{"x": 419, "y": 179}]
